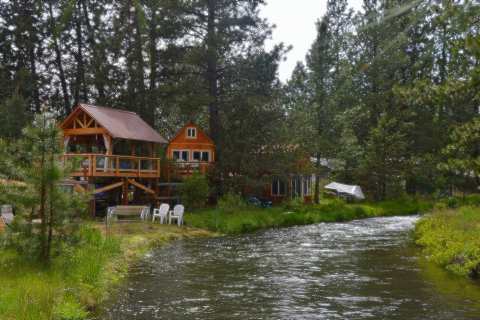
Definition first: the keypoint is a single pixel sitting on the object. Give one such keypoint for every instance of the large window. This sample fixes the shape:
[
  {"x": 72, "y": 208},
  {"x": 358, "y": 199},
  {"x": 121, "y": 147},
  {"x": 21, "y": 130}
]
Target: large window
[
  {"x": 191, "y": 133},
  {"x": 203, "y": 156},
  {"x": 181, "y": 155},
  {"x": 278, "y": 187}
]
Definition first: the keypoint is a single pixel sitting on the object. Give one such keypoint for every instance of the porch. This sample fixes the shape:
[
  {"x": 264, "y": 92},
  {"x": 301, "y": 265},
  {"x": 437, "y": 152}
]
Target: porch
[{"x": 101, "y": 165}]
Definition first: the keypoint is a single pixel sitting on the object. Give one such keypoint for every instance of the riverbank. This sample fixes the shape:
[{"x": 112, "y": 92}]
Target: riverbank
[
  {"x": 248, "y": 219},
  {"x": 451, "y": 239},
  {"x": 83, "y": 275}
]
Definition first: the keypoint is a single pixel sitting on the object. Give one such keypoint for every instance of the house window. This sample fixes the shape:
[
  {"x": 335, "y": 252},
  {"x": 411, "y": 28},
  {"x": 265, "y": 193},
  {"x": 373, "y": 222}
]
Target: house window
[
  {"x": 191, "y": 133},
  {"x": 181, "y": 155},
  {"x": 197, "y": 155},
  {"x": 297, "y": 186},
  {"x": 203, "y": 156},
  {"x": 278, "y": 187}
]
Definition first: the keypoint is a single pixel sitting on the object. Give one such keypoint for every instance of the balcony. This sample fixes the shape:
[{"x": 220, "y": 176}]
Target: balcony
[
  {"x": 100, "y": 165},
  {"x": 177, "y": 170}
]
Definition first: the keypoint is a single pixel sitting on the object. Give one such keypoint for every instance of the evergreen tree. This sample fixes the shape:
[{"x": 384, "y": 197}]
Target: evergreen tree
[{"x": 37, "y": 164}]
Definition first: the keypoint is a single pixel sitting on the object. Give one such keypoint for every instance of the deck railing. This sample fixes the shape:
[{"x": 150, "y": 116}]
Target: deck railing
[
  {"x": 100, "y": 165},
  {"x": 182, "y": 169}
]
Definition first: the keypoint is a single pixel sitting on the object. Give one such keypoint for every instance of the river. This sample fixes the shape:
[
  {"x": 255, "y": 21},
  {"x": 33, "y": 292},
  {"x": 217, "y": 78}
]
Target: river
[{"x": 365, "y": 269}]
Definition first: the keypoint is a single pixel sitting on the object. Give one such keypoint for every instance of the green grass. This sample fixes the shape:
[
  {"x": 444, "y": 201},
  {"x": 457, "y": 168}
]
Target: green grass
[
  {"x": 81, "y": 277},
  {"x": 249, "y": 219},
  {"x": 451, "y": 239}
]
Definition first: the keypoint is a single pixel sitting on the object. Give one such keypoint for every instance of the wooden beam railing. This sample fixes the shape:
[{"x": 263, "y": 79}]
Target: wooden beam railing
[
  {"x": 100, "y": 165},
  {"x": 186, "y": 168}
]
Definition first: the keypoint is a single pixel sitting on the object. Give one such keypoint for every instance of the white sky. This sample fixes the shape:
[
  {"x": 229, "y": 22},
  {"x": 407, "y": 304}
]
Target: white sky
[{"x": 295, "y": 25}]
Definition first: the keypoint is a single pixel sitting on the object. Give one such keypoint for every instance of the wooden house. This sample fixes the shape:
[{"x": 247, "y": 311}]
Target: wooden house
[
  {"x": 116, "y": 158},
  {"x": 191, "y": 149},
  {"x": 116, "y": 151}
]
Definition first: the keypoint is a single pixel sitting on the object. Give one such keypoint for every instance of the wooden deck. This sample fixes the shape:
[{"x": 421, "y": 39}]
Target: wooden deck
[{"x": 100, "y": 165}]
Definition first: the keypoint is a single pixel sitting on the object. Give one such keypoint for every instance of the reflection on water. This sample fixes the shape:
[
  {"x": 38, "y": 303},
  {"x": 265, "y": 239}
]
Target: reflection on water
[{"x": 358, "y": 270}]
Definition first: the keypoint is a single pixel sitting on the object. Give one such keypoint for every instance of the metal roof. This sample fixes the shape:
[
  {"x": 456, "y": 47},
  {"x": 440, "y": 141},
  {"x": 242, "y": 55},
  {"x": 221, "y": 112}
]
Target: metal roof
[{"x": 122, "y": 124}]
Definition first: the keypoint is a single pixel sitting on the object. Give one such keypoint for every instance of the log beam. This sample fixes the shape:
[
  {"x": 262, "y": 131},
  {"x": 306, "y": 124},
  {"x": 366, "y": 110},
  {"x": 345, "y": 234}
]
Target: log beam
[
  {"x": 141, "y": 186},
  {"x": 108, "y": 188}
]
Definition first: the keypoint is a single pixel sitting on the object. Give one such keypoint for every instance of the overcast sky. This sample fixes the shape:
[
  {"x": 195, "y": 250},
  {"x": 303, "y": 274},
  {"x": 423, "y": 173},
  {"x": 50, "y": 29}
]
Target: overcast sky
[{"x": 295, "y": 21}]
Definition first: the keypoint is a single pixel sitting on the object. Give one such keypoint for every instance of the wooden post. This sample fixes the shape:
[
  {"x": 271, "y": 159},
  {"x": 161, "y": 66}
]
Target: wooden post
[
  {"x": 92, "y": 204},
  {"x": 125, "y": 192}
]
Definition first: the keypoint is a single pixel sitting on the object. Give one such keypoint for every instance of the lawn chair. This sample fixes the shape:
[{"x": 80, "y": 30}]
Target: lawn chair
[
  {"x": 177, "y": 214},
  {"x": 6, "y": 214},
  {"x": 161, "y": 213}
]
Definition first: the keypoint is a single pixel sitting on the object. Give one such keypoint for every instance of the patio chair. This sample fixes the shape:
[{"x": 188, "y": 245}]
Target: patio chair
[
  {"x": 177, "y": 214},
  {"x": 161, "y": 212},
  {"x": 6, "y": 214}
]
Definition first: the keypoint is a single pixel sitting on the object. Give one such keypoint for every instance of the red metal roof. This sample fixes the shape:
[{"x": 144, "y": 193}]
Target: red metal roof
[{"x": 122, "y": 124}]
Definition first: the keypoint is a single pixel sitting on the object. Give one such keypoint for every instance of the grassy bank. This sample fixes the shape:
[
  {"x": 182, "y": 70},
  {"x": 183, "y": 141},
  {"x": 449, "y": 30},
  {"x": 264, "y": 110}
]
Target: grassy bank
[
  {"x": 248, "y": 219},
  {"x": 451, "y": 239},
  {"x": 80, "y": 278}
]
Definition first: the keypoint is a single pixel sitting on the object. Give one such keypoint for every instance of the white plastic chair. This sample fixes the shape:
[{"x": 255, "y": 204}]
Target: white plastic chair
[
  {"x": 6, "y": 214},
  {"x": 161, "y": 212},
  {"x": 145, "y": 213},
  {"x": 177, "y": 214}
]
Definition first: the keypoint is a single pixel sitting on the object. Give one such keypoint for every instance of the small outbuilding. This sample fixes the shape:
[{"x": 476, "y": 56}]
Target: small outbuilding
[{"x": 345, "y": 190}]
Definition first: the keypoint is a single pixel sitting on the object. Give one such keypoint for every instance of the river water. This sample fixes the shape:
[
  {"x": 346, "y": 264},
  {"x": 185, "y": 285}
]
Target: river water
[{"x": 366, "y": 269}]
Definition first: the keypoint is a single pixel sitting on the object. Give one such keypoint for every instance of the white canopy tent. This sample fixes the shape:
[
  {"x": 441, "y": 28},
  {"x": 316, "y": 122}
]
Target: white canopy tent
[{"x": 345, "y": 189}]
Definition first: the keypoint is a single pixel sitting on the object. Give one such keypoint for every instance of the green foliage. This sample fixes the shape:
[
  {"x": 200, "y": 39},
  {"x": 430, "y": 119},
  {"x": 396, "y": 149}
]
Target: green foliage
[
  {"x": 249, "y": 219},
  {"x": 38, "y": 166},
  {"x": 69, "y": 310},
  {"x": 463, "y": 153},
  {"x": 194, "y": 191},
  {"x": 74, "y": 281},
  {"x": 451, "y": 239},
  {"x": 231, "y": 202}
]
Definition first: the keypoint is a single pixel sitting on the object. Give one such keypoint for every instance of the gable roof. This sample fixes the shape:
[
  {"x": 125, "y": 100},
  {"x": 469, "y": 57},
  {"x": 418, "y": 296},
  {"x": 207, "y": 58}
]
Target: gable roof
[
  {"x": 200, "y": 133},
  {"x": 120, "y": 124}
]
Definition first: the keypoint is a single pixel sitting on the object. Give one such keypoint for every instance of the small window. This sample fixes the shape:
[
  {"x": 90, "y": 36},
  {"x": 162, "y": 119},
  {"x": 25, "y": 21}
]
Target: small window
[
  {"x": 185, "y": 155},
  {"x": 191, "y": 133},
  {"x": 206, "y": 156},
  {"x": 278, "y": 187},
  {"x": 176, "y": 155},
  {"x": 197, "y": 155}
]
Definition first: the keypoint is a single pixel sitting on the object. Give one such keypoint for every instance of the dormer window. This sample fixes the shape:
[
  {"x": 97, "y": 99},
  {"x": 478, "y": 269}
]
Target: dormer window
[{"x": 192, "y": 133}]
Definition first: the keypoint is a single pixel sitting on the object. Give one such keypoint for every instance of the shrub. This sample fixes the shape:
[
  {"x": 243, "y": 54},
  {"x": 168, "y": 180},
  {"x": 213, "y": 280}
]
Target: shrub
[
  {"x": 450, "y": 238},
  {"x": 231, "y": 202},
  {"x": 194, "y": 191}
]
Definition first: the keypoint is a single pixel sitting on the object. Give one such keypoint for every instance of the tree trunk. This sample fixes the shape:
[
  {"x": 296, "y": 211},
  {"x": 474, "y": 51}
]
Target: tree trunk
[
  {"x": 316, "y": 198},
  {"x": 139, "y": 74},
  {"x": 98, "y": 58},
  {"x": 80, "y": 86},
  {"x": 42, "y": 209},
  {"x": 58, "y": 60},
  {"x": 28, "y": 11},
  {"x": 212, "y": 80},
  {"x": 212, "y": 73},
  {"x": 51, "y": 217},
  {"x": 153, "y": 68}
]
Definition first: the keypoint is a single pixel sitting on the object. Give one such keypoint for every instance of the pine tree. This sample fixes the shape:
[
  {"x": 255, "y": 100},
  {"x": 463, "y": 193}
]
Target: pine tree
[{"x": 38, "y": 165}]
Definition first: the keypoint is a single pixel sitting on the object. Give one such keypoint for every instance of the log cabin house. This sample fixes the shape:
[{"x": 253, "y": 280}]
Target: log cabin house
[
  {"x": 191, "y": 149},
  {"x": 117, "y": 156}
]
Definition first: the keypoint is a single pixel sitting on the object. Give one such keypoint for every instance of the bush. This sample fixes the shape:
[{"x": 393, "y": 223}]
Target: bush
[
  {"x": 194, "y": 191},
  {"x": 450, "y": 238},
  {"x": 231, "y": 202}
]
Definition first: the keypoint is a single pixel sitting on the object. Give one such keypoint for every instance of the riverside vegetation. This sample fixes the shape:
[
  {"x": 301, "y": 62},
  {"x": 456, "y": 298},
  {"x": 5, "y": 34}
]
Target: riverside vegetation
[
  {"x": 77, "y": 280},
  {"x": 450, "y": 236},
  {"x": 233, "y": 216}
]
